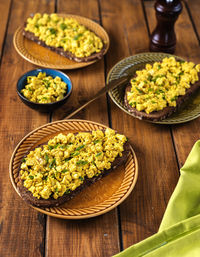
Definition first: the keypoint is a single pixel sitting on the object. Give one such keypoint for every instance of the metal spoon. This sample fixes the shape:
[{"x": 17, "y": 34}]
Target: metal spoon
[{"x": 114, "y": 83}]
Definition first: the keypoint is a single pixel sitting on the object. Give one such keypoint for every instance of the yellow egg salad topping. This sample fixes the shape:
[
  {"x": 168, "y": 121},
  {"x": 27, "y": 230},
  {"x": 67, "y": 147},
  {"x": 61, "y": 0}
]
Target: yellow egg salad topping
[
  {"x": 63, "y": 164},
  {"x": 44, "y": 89},
  {"x": 159, "y": 85},
  {"x": 67, "y": 33}
]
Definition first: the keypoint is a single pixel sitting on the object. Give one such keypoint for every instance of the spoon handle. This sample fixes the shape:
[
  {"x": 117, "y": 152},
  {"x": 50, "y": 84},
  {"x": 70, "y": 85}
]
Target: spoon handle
[{"x": 114, "y": 83}]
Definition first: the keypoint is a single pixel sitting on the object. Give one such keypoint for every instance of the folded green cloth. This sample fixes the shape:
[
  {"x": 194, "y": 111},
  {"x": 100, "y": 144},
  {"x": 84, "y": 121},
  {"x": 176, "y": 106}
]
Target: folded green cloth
[{"x": 179, "y": 232}]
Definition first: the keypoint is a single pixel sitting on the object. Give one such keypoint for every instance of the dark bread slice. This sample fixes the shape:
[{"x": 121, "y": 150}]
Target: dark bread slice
[
  {"x": 51, "y": 202},
  {"x": 60, "y": 50},
  {"x": 167, "y": 111}
]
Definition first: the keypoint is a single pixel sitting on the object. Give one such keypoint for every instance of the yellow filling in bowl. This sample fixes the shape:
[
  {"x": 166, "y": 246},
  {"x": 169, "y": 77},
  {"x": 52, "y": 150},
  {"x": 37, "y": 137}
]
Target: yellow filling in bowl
[
  {"x": 159, "y": 85},
  {"x": 63, "y": 164},
  {"x": 44, "y": 89},
  {"x": 66, "y": 33}
]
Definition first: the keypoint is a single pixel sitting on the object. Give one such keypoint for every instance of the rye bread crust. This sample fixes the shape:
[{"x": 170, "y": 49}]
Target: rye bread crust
[
  {"x": 167, "y": 111},
  {"x": 60, "y": 50},
  {"x": 51, "y": 202}
]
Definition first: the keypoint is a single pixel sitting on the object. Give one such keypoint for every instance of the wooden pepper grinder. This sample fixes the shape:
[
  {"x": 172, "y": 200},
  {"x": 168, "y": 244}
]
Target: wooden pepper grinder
[{"x": 163, "y": 38}]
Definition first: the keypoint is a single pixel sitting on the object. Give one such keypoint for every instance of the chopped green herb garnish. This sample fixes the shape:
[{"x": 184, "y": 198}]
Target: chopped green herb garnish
[
  {"x": 46, "y": 157},
  {"x": 155, "y": 78},
  {"x": 31, "y": 177},
  {"x": 133, "y": 80},
  {"x": 78, "y": 36},
  {"x": 96, "y": 141},
  {"x": 46, "y": 83},
  {"x": 67, "y": 191},
  {"x": 56, "y": 146},
  {"x": 79, "y": 148},
  {"x": 64, "y": 171},
  {"x": 181, "y": 73},
  {"x": 149, "y": 77},
  {"x": 173, "y": 98},
  {"x": 81, "y": 178},
  {"x": 63, "y": 26},
  {"x": 67, "y": 159},
  {"x": 50, "y": 147},
  {"x": 98, "y": 154},
  {"x": 80, "y": 162},
  {"x": 159, "y": 91},
  {"x": 139, "y": 90},
  {"x": 74, "y": 153},
  {"x": 24, "y": 160},
  {"x": 52, "y": 163},
  {"x": 52, "y": 30}
]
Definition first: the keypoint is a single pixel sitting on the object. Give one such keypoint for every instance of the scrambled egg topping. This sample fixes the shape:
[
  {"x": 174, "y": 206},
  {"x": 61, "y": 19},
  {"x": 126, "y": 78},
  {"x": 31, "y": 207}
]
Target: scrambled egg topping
[
  {"x": 159, "y": 85},
  {"x": 67, "y": 33},
  {"x": 62, "y": 165},
  {"x": 44, "y": 89}
]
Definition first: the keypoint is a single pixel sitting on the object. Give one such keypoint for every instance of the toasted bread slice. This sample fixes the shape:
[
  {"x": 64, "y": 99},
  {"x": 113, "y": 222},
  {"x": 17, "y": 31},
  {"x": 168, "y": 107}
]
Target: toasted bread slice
[
  {"x": 51, "y": 202},
  {"x": 167, "y": 111},
  {"x": 60, "y": 50}
]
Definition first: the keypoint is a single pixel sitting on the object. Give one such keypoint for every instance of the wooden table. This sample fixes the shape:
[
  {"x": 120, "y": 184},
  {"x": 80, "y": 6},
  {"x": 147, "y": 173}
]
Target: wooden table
[{"x": 161, "y": 150}]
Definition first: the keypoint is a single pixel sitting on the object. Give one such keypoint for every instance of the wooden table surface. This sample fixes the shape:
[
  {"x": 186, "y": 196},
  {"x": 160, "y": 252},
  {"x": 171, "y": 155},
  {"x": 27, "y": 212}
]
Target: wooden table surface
[{"x": 161, "y": 149}]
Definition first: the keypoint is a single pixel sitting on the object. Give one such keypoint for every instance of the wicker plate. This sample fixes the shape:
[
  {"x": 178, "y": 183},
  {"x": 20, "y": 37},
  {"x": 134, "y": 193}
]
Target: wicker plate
[
  {"x": 189, "y": 111},
  {"x": 44, "y": 57},
  {"x": 97, "y": 199}
]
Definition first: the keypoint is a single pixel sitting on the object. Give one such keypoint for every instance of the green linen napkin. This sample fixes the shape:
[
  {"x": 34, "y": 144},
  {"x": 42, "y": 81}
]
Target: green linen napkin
[{"x": 179, "y": 232}]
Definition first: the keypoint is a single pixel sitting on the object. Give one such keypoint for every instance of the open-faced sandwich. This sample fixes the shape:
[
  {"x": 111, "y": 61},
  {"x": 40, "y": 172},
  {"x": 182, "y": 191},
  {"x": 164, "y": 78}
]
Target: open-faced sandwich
[
  {"x": 54, "y": 172},
  {"x": 159, "y": 89},
  {"x": 65, "y": 36}
]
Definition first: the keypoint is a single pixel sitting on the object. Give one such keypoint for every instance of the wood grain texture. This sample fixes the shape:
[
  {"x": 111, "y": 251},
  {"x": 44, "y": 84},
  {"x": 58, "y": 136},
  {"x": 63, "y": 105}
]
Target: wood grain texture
[
  {"x": 91, "y": 237},
  {"x": 22, "y": 228},
  {"x": 193, "y": 7},
  {"x": 5, "y": 6},
  {"x": 187, "y": 134},
  {"x": 142, "y": 212}
]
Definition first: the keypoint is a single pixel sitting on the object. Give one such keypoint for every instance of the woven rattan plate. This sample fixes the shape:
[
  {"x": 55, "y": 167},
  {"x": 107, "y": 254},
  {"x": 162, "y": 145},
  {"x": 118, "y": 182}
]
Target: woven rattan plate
[
  {"x": 95, "y": 200},
  {"x": 189, "y": 111},
  {"x": 44, "y": 57}
]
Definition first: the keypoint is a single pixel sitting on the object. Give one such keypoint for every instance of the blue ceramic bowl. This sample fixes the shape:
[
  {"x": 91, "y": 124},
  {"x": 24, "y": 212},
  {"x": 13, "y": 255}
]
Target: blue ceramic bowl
[{"x": 48, "y": 107}]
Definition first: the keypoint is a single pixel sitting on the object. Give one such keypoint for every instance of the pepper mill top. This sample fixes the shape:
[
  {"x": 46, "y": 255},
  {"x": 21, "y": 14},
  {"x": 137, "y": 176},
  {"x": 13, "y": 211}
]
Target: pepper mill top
[{"x": 163, "y": 38}]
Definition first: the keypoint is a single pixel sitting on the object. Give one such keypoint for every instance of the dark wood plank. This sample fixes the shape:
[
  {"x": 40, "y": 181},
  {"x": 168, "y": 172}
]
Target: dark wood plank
[
  {"x": 22, "y": 228},
  {"x": 193, "y": 7},
  {"x": 95, "y": 236},
  {"x": 142, "y": 212},
  {"x": 4, "y": 7},
  {"x": 187, "y": 47}
]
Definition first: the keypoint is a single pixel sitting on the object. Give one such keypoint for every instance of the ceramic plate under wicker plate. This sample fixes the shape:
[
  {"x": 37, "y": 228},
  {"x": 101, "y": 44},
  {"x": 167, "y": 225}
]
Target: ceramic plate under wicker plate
[
  {"x": 189, "y": 111},
  {"x": 94, "y": 200},
  {"x": 44, "y": 57}
]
